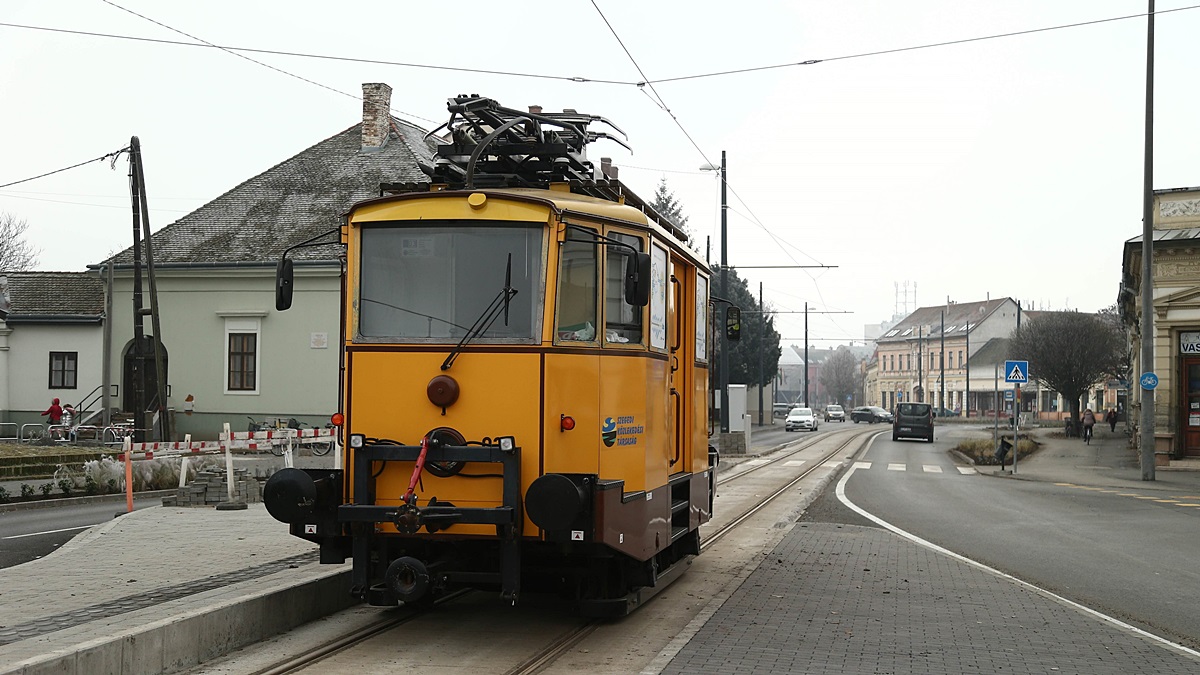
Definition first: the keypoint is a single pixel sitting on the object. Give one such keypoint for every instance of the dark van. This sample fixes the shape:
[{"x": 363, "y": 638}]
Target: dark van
[{"x": 913, "y": 420}]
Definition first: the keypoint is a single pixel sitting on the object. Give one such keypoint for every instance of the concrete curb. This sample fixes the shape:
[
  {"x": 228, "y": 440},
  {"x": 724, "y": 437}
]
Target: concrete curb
[
  {"x": 162, "y": 640},
  {"x": 51, "y": 502}
]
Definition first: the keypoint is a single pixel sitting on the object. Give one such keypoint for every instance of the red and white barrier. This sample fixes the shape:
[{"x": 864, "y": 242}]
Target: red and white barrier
[{"x": 235, "y": 440}]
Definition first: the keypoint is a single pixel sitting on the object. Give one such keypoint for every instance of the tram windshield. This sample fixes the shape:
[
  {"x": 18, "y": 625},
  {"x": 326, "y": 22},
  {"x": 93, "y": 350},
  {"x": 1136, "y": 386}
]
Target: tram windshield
[{"x": 430, "y": 282}]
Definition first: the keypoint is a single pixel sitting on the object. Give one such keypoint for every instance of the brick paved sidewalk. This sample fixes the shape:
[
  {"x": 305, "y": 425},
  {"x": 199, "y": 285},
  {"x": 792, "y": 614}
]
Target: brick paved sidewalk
[{"x": 848, "y": 599}]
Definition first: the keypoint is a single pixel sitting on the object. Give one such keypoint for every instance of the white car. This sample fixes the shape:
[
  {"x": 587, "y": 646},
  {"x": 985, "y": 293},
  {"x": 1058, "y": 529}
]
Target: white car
[{"x": 800, "y": 419}]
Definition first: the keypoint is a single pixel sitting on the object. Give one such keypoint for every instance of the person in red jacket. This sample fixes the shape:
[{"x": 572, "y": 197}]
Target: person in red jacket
[{"x": 55, "y": 412}]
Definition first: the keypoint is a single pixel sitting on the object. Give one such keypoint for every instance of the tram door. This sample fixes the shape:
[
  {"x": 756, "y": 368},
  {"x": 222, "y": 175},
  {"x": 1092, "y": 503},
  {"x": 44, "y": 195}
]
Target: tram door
[
  {"x": 679, "y": 348},
  {"x": 1190, "y": 415}
]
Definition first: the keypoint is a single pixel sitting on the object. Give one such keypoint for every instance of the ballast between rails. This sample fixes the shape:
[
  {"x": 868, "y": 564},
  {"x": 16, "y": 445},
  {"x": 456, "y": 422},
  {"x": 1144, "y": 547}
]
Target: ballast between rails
[{"x": 234, "y": 440}]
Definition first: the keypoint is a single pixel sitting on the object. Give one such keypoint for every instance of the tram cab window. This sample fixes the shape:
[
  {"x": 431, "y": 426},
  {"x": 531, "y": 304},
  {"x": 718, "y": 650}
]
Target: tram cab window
[
  {"x": 432, "y": 282},
  {"x": 577, "y": 283},
  {"x": 622, "y": 321}
]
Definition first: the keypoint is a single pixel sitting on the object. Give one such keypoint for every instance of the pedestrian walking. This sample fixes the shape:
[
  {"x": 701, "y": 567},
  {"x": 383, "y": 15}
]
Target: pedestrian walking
[
  {"x": 55, "y": 413},
  {"x": 1089, "y": 421},
  {"x": 1111, "y": 418}
]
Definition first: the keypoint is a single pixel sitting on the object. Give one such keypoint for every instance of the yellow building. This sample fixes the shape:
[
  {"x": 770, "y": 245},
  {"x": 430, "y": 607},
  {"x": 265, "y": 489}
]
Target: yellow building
[{"x": 925, "y": 357}]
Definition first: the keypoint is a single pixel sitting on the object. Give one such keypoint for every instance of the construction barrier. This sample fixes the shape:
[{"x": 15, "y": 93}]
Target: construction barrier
[{"x": 236, "y": 440}]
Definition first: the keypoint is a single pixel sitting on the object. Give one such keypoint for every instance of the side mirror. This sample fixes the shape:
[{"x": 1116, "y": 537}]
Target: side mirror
[
  {"x": 637, "y": 279},
  {"x": 733, "y": 324},
  {"x": 283, "y": 284}
]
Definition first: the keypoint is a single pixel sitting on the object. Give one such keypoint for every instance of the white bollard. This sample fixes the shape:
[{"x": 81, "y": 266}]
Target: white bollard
[
  {"x": 287, "y": 454},
  {"x": 183, "y": 467},
  {"x": 228, "y": 466}
]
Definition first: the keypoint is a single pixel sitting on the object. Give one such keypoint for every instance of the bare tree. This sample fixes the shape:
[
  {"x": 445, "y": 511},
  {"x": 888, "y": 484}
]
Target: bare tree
[
  {"x": 1069, "y": 352},
  {"x": 840, "y": 374},
  {"x": 15, "y": 252}
]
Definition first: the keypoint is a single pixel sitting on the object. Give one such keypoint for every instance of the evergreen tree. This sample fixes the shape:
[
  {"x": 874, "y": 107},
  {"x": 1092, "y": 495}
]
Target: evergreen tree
[
  {"x": 744, "y": 354},
  {"x": 669, "y": 207}
]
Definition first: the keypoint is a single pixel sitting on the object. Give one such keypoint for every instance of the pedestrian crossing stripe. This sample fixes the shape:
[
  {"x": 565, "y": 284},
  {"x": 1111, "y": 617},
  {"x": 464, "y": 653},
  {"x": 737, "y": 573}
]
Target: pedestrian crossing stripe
[
  {"x": 930, "y": 468},
  {"x": 794, "y": 462},
  {"x": 896, "y": 467}
]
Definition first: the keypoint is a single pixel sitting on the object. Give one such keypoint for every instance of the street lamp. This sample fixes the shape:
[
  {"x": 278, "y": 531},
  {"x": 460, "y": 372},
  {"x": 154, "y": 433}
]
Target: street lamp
[{"x": 723, "y": 365}]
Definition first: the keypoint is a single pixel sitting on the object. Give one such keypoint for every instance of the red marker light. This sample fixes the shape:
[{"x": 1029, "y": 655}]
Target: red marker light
[
  {"x": 337, "y": 419},
  {"x": 566, "y": 423}
]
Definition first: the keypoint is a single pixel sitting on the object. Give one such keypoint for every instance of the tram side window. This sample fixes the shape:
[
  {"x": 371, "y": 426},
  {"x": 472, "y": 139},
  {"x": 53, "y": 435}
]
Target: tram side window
[
  {"x": 577, "y": 282},
  {"x": 701, "y": 318},
  {"x": 622, "y": 321}
]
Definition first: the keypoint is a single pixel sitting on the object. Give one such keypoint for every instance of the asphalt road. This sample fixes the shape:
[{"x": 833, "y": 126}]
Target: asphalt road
[
  {"x": 33, "y": 533},
  {"x": 1109, "y": 550}
]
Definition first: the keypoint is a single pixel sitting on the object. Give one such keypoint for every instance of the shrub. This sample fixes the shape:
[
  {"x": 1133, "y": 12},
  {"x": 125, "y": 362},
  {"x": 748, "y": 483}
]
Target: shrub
[
  {"x": 4, "y": 496},
  {"x": 66, "y": 485},
  {"x": 26, "y": 490},
  {"x": 46, "y": 489},
  {"x": 983, "y": 450}
]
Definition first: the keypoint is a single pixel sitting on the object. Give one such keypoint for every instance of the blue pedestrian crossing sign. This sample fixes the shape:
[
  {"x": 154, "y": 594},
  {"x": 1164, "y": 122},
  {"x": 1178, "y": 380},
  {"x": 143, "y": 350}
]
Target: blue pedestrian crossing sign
[{"x": 1016, "y": 371}]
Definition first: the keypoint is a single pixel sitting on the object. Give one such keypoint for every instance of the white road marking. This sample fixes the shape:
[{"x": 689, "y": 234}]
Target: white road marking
[
  {"x": 967, "y": 470},
  {"x": 932, "y": 468},
  {"x": 35, "y": 534},
  {"x": 896, "y": 467},
  {"x": 841, "y": 495},
  {"x": 794, "y": 462}
]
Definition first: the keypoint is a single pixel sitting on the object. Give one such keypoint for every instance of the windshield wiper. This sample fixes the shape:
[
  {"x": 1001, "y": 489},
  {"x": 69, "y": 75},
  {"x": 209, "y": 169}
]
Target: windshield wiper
[
  {"x": 489, "y": 316},
  {"x": 431, "y": 317}
]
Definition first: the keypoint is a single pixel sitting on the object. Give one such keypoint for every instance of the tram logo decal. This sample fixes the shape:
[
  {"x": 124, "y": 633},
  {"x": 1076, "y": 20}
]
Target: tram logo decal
[{"x": 622, "y": 431}]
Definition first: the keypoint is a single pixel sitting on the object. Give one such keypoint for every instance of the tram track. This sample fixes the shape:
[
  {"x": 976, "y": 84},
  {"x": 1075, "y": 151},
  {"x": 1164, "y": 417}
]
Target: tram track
[{"x": 564, "y": 641}]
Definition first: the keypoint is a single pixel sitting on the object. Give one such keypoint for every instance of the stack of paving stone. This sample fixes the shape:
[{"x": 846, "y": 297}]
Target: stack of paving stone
[{"x": 209, "y": 488}]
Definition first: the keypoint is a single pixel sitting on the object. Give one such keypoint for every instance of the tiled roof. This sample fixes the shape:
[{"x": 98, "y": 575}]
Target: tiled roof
[
  {"x": 994, "y": 351},
  {"x": 51, "y": 296},
  {"x": 292, "y": 201},
  {"x": 929, "y": 319}
]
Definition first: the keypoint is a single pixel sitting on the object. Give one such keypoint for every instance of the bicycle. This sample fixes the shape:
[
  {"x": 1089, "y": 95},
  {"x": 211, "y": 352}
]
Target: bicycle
[
  {"x": 1087, "y": 434},
  {"x": 277, "y": 449}
]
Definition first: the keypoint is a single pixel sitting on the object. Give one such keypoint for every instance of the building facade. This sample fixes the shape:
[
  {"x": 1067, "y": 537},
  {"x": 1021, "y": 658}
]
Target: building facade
[
  {"x": 924, "y": 357},
  {"x": 228, "y": 354},
  {"x": 1175, "y": 274}
]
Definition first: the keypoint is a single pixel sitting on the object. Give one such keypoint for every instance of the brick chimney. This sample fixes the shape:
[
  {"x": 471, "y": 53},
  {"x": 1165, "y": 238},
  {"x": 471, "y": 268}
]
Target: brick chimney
[
  {"x": 535, "y": 109},
  {"x": 377, "y": 116},
  {"x": 607, "y": 169}
]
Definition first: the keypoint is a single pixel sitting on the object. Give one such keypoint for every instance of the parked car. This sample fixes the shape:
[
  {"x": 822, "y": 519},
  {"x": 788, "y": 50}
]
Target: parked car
[
  {"x": 800, "y": 419},
  {"x": 781, "y": 409},
  {"x": 945, "y": 412},
  {"x": 870, "y": 414},
  {"x": 834, "y": 413},
  {"x": 913, "y": 420}
]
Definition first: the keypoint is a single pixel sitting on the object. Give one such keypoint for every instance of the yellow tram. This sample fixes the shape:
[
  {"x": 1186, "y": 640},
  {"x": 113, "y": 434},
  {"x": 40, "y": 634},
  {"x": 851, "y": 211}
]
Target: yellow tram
[{"x": 525, "y": 377}]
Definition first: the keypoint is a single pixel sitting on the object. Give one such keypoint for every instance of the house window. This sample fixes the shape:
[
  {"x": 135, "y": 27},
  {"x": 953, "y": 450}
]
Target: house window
[
  {"x": 960, "y": 361},
  {"x": 242, "y": 359},
  {"x": 64, "y": 370}
]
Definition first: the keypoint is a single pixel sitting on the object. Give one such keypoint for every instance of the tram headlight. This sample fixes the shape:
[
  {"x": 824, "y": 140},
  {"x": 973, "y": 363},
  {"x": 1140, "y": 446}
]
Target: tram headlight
[
  {"x": 357, "y": 440},
  {"x": 507, "y": 443}
]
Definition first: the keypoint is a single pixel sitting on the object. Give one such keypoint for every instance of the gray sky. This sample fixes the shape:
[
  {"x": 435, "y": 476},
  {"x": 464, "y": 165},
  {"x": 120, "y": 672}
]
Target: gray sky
[{"x": 1000, "y": 167}]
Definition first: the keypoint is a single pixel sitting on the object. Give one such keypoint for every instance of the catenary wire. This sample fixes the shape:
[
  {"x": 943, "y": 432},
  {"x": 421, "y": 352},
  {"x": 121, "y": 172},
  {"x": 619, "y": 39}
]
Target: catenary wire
[
  {"x": 898, "y": 50},
  {"x": 256, "y": 61},
  {"x": 101, "y": 158},
  {"x": 591, "y": 80}
]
